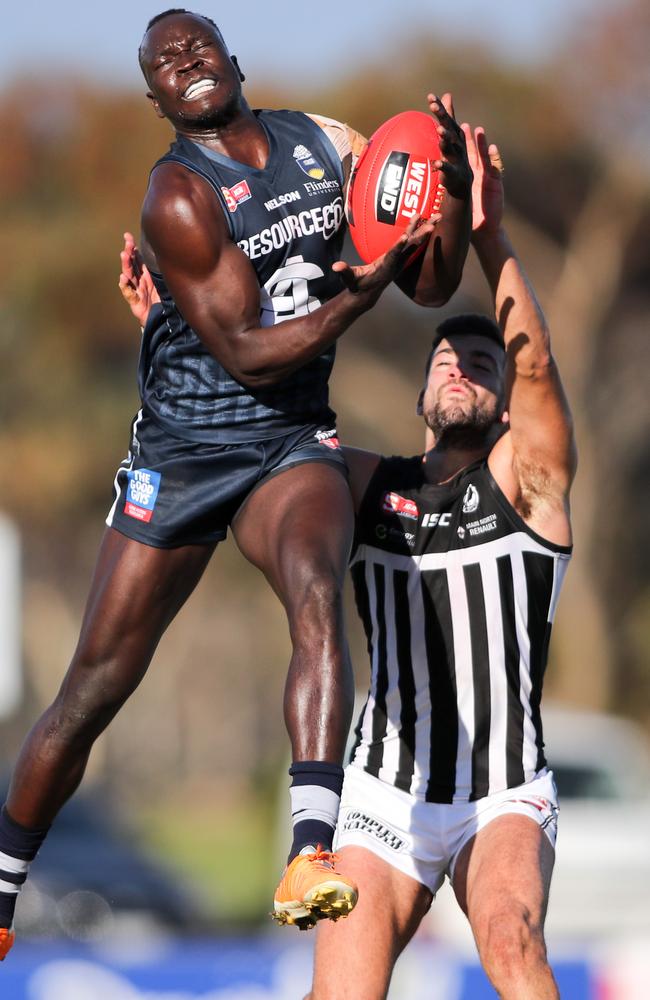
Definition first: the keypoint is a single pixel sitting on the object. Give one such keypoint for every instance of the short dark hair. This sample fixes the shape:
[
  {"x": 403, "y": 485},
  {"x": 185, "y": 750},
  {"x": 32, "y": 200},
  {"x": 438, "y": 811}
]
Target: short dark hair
[
  {"x": 462, "y": 325},
  {"x": 168, "y": 13},
  {"x": 178, "y": 10}
]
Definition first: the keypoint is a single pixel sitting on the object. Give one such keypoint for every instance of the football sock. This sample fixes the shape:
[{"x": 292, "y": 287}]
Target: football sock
[
  {"x": 315, "y": 795},
  {"x": 18, "y": 848}
]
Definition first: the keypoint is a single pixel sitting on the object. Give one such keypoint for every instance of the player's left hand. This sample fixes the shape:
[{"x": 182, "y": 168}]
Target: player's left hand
[
  {"x": 136, "y": 283},
  {"x": 454, "y": 165},
  {"x": 370, "y": 279}
]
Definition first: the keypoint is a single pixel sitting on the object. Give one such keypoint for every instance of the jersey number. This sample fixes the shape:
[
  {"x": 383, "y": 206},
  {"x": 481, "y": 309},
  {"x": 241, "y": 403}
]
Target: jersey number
[{"x": 286, "y": 294}]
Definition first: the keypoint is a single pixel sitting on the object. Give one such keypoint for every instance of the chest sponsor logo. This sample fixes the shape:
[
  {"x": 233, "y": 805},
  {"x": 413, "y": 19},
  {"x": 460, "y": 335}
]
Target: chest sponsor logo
[
  {"x": 236, "y": 194},
  {"x": 141, "y": 493},
  {"x": 356, "y": 820},
  {"x": 282, "y": 199},
  {"x": 401, "y": 187},
  {"x": 328, "y": 438},
  {"x": 395, "y": 504},
  {"x": 483, "y": 525},
  {"x": 437, "y": 520},
  {"x": 320, "y": 220},
  {"x": 308, "y": 163},
  {"x": 470, "y": 500}
]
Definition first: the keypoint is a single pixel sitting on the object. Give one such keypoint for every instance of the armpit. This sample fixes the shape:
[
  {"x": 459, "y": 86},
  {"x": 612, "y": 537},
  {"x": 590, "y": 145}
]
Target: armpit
[{"x": 537, "y": 490}]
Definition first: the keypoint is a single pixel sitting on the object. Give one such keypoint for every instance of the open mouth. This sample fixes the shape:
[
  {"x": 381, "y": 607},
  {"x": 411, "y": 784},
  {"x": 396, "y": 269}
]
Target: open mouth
[{"x": 198, "y": 89}]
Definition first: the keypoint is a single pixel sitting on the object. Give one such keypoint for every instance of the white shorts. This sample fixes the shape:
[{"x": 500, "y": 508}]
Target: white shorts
[{"x": 424, "y": 839}]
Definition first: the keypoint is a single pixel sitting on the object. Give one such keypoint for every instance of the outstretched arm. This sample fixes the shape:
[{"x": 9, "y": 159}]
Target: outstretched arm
[
  {"x": 535, "y": 462},
  {"x": 434, "y": 277},
  {"x": 184, "y": 228}
]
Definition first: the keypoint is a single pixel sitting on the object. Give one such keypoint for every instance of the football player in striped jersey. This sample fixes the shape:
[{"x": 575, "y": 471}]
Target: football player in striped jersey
[{"x": 458, "y": 562}]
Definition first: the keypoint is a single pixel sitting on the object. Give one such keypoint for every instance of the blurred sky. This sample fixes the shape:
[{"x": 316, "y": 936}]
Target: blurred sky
[{"x": 301, "y": 42}]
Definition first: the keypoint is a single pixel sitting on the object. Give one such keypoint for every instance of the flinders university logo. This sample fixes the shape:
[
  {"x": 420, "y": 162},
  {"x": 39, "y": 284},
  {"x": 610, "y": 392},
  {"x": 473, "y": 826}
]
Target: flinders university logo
[{"x": 308, "y": 163}]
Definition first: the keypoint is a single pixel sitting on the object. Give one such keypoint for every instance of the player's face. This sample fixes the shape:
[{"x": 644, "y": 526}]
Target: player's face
[
  {"x": 465, "y": 384},
  {"x": 193, "y": 80}
]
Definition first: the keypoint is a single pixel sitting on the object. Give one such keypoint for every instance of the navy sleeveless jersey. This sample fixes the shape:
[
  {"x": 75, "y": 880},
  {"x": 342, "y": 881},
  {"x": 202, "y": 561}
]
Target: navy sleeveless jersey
[{"x": 289, "y": 220}]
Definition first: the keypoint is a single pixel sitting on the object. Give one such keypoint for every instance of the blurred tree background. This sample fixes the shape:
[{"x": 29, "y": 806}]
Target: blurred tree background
[{"x": 198, "y": 756}]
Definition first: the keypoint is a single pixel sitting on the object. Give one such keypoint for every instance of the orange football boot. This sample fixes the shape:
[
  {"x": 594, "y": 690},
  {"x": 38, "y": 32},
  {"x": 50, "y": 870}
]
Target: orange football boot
[
  {"x": 7, "y": 938},
  {"x": 311, "y": 889}
]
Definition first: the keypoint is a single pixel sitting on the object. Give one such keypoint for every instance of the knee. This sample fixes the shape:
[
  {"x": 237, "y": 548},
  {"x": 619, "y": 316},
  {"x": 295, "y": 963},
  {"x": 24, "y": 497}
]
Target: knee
[
  {"x": 315, "y": 595},
  {"x": 512, "y": 943}
]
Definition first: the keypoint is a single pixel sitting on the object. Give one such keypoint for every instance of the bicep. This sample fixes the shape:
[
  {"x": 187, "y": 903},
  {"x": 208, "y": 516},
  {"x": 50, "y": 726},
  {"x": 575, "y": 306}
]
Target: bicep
[{"x": 541, "y": 426}]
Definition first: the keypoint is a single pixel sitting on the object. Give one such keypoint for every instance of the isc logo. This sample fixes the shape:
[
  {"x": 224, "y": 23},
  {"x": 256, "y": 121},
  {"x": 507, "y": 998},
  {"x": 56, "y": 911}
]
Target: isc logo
[
  {"x": 433, "y": 520},
  {"x": 401, "y": 188}
]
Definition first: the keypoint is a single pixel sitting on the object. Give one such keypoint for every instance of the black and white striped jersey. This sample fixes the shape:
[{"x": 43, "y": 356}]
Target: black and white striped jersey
[{"x": 457, "y": 596}]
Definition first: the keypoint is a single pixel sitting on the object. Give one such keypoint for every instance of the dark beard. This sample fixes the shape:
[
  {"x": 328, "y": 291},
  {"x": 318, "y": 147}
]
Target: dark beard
[{"x": 459, "y": 428}]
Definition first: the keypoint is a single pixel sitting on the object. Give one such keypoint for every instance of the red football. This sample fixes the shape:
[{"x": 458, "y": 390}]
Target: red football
[{"x": 393, "y": 180}]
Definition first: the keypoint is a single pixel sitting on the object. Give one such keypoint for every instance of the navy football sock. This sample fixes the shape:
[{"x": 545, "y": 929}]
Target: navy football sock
[
  {"x": 18, "y": 848},
  {"x": 315, "y": 795}
]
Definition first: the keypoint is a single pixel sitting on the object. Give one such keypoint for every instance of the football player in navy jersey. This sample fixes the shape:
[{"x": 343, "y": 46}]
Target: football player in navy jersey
[
  {"x": 458, "y": 561},
  {"x": 242, "y": 226}
]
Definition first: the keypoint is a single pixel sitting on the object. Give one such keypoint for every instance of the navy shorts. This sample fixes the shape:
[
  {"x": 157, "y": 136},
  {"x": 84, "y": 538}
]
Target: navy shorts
[{"x": 170, "y": 491}]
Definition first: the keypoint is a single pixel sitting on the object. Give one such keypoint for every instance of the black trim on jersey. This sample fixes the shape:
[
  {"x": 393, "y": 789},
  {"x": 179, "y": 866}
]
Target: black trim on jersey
[
  {"x": 380, "y": 714},
  {"x": 441, "y": 784},
  {"x": 539, "y": 577},
  {"x": 482, "y": 705},
  {"x": 406, "y": 682},
  {"x": 362, "y": 600},
  {"x": 515, "y": 720}
]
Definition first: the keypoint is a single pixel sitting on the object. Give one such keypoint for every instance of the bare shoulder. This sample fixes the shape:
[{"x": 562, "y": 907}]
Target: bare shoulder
[
  {"x": 361, "y": 466},
  {"x": 181, "y": 215},
  {"x": 539, "y": 499},
  {"x": 174, "y": 192}
]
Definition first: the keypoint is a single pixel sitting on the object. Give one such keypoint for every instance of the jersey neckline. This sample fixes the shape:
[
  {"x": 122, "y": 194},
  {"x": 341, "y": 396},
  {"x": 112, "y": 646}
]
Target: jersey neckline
[{"x": 226, "y": 161}]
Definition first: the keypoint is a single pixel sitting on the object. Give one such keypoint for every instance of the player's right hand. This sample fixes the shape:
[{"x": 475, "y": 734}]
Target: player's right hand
[
  {"x": 369, "y": 280},
  {"x": 136, "y": 283},
  {"x": 487, "y": 188}
]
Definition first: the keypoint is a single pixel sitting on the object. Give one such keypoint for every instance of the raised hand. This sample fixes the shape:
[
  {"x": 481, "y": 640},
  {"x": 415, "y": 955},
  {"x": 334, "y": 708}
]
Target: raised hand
[
  {"x": 487, "y": 189},
  {"x": 136, "y": 283},
  {"x": 454, "y": 165},
  {"x": 371, "y": 279}
]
